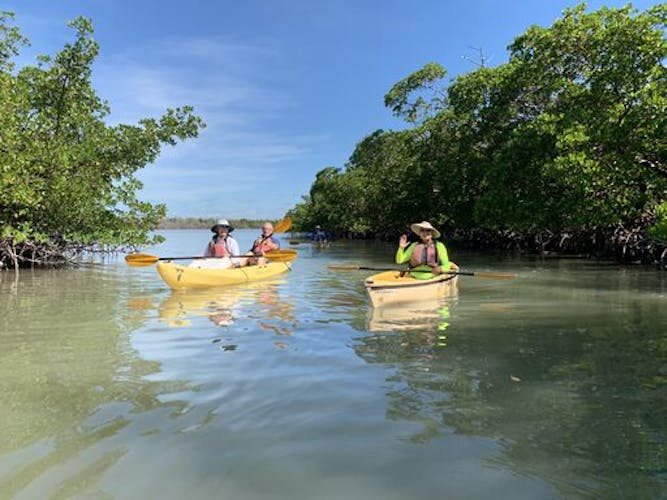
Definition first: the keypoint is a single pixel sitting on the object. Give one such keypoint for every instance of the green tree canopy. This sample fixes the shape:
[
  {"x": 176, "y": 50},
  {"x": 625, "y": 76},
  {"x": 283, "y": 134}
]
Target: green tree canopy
[
  {"x": 568, "y": 136},
  {"x": 67, "y": 178}
]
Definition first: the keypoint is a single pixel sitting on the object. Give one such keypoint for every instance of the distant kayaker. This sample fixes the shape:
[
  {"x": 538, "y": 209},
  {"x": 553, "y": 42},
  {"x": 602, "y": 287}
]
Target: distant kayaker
[
  {"x": 319, "y": 236},
  {"x": 427, "y": 257},
  {"x": 266, "y": 242},
  {"x": 220, "y": 248}
]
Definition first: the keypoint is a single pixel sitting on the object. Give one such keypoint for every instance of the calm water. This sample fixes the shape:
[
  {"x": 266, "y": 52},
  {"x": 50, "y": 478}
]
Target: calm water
[{"x": 552, "y": 385}]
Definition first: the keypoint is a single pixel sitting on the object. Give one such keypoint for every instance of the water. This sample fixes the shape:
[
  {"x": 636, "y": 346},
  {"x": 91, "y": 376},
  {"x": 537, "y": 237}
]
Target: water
[{"x": 551, "y": 385}]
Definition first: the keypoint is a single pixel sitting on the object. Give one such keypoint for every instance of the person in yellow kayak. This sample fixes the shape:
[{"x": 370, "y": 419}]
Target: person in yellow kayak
[
  {"x": 220, "y": 249},
  {"x": 266, "y": 242},
  {"x": 427, "y": 258}
]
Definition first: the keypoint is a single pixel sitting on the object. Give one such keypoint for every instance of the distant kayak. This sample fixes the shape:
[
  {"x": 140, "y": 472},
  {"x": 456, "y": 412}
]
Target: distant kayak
[
  {"x": 390, "y": 287},
  {"x": 183, "y": 277}
]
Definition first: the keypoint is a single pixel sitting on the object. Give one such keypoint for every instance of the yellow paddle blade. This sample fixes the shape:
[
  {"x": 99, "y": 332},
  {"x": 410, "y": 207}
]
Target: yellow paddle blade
[
  {"x": 283, "y": 225},
  {"x": 140, "y": 259},
  {"x": 282, "y": 255},
  {"x": 494, "y": 276}
]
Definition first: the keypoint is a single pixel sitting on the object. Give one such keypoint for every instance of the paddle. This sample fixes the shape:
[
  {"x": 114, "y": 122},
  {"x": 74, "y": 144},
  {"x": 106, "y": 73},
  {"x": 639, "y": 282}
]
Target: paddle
[
  {"x": 143, "y": 259},
  {"x": 283, "y": 225},
  {"x": 463, "y": 273}
]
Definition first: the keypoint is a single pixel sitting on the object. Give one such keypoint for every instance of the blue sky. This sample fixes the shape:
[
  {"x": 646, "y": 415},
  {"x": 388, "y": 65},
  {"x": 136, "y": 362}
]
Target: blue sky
[{"x": 286, "y": 87}]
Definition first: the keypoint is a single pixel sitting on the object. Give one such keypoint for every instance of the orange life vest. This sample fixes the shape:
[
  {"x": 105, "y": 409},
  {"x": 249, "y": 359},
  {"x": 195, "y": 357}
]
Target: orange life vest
[
  {"x": 220, "y": 249},
  {"x": 264, "y": 245}
]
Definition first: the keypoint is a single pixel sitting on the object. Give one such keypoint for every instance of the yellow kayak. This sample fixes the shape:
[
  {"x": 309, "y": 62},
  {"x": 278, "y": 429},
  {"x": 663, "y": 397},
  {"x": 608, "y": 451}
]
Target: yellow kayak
[
  {"x": 183, "y": 277},
  {"x": 390, "y": 287}
]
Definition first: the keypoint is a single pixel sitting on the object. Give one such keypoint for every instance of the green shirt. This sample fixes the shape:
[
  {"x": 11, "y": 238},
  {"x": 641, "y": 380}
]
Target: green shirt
[{"x": 423, "y": 272}]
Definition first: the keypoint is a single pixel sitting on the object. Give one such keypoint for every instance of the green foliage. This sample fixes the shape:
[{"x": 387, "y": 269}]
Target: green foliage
[
  {"x": 569, "y": 134},
  {"x": 65, "y": 174},
  {"x": 422, "y": 81},
  {"x": 658, "y": 229},
  {"x": 10, "y": 41}
]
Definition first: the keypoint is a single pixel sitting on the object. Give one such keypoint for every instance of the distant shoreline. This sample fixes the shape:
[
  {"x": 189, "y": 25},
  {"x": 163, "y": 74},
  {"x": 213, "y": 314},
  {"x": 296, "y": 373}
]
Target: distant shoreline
[{"x": 206, "y": 223}]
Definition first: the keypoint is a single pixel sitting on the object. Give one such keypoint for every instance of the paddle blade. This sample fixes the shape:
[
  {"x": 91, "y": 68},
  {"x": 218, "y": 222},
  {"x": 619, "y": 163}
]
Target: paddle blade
[
  {"x": 283, "y": 225},
  {"x": 494, "y": 276},
  {"x": 140, "y": 259},
  {"x": 282, "y": 255}
]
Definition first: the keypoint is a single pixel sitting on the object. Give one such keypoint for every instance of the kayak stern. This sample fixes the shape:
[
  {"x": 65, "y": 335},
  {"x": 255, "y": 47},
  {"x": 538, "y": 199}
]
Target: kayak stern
[{"x": 390, "y": 287}]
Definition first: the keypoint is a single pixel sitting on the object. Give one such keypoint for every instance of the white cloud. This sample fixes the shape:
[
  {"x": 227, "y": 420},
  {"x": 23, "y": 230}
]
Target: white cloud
[{"x": 245, "y": 144}]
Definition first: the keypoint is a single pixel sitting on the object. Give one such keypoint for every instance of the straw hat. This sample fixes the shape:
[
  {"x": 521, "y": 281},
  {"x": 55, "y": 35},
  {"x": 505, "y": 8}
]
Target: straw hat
[
  {"x": 221, "y": 222},
  {"x": 418, "y": 226}
]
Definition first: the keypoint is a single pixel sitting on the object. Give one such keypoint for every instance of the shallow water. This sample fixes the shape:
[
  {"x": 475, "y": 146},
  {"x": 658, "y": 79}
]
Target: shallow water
[{"x": 551, "y": 385}]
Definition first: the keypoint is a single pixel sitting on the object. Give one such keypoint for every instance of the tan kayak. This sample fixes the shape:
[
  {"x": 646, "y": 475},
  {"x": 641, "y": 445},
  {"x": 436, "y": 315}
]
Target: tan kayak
[
  {"x": 390, "y": 287},
  {"x": 183, "y": 277}
]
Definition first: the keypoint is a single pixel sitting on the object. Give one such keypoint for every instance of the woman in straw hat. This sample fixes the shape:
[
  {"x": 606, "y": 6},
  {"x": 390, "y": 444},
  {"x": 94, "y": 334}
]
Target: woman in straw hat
[
  {"x": 220, "y": 248},
  {"x": 222, "y": 244},
  {"x": 427, "y": 258}
]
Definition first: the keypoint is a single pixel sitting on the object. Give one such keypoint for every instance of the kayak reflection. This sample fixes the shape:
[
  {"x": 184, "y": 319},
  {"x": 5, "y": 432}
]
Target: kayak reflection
[
  {"x": 260, "y": 301},
  {"x": 432, "y": 315},
  {"x": 179, "y": 308}
]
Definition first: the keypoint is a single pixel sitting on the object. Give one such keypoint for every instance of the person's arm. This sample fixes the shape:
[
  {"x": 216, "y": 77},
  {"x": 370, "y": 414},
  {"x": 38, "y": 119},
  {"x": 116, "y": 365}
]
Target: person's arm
[
  {"x": 273, "y": 242},
  {"x": 209, "y": 251},
  {"x": 255, "y": 244},
  {"x": 443, "y": 259},
  {"x": 404, "y": 253},
  {"x": 233, "y": 246},
  {"x": 233, "y": 249}
]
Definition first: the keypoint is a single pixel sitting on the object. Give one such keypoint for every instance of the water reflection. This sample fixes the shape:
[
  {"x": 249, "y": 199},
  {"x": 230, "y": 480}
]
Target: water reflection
[
  {"x": 431, "y": 315},
  {"x": 547, "y": 388},
  {"x": 70, "y": 380},
  {"x": 181, "y": 307},
  {"x": 261, "y": 302}
]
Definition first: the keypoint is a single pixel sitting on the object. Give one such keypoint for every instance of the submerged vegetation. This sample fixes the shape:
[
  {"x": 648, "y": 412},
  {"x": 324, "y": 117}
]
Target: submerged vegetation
[
  {"x": 67, "y": 179},
  {"x": 562, "y": 149}
]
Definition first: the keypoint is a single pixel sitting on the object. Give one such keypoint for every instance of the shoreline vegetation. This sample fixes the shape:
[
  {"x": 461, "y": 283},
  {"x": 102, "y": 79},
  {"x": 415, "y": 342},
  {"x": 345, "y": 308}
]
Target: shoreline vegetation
[
  {"x": 68, "y": 174},
  {"x": 561, "y": 150},
  {"x": 207, "y": 222}
]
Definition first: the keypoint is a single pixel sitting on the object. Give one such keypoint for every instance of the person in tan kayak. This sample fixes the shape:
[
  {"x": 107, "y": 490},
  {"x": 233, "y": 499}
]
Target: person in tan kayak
[{"x": 427, "y": 258}]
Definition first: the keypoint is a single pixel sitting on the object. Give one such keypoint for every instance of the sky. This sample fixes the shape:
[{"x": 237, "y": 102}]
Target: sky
[{"x": 286, "y": 87}]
